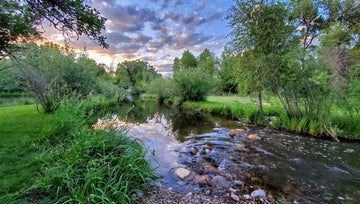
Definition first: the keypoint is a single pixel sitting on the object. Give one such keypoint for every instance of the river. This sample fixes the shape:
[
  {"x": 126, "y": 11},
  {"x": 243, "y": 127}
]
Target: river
[{"x": 298, "y": 168}]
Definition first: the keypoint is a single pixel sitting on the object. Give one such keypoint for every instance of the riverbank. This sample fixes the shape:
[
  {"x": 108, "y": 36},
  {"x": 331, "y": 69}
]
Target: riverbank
[
  {"x": 337, "y": 125},
  {"x": 60, "y": 158},
  {"x": 20, "y": 125}
]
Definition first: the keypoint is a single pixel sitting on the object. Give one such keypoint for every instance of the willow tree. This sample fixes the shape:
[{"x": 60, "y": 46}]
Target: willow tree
[{"x": 262, "y": 34}]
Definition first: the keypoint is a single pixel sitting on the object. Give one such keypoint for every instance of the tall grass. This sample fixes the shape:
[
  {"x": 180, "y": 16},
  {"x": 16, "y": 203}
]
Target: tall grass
[
  {"x": 84, "y": 166},
  {"x": 342, "y": 126}
]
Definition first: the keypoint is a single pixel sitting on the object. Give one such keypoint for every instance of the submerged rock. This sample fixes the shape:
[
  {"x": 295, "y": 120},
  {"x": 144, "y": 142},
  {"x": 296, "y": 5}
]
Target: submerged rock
[
  {"x": 253, "y": 137},
  {"x": 225, "y": 165},
  {"x": 182, "y": 173},
  {"x": 219, "y": 181},
  {"x": 258, "y": 193},
  {"x": 237, "y": 133},
  {"x": 208, "y": 169},
  {"x": 205, "y": 149},
  {"x": 194, "y": 151},
  {"x": 202, "y": 179}
]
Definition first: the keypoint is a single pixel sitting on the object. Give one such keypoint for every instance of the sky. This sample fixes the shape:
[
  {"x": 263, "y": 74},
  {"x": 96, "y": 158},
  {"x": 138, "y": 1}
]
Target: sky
[{"x": 155, "y": 31}]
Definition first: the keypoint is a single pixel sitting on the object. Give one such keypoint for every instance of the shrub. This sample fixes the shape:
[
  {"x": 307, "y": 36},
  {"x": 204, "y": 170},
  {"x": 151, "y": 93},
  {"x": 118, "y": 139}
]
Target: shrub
[{"x": 192, "y": 85}]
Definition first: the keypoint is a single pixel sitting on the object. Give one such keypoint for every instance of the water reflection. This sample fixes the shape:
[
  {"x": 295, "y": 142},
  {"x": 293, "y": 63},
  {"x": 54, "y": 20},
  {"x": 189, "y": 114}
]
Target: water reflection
[{"x": 302, "y": 169}]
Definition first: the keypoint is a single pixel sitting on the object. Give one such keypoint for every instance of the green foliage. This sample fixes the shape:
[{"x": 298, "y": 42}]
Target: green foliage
[
  {"x": 89, "y": 166},
  {"x": 176, "y": 65},
  {"x": 163, "y": 88},
  {"x": 138, "y": 73},
  {"x": 52, "y": 75},
  {"x": 192, "y": 85},
  {"x": 243, "y": 109},
  {"x": 72, "y": 162},
  {"x": 19, "y": 20},
  {"x": 188, "y": 61},
  {"x": 228, "y": 67},
  {"x": 207, "y": 62},
  {"x": 9, "y": 81}
]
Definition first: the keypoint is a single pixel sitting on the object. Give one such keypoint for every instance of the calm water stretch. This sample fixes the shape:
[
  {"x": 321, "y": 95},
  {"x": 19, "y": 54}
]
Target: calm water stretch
[{"x": 298, "y": 168}]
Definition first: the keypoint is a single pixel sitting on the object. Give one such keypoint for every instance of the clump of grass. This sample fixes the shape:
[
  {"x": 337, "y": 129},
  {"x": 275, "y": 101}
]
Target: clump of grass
[
  {"x": 89, "y": 167},
  {"x": 66, "y": 160}
]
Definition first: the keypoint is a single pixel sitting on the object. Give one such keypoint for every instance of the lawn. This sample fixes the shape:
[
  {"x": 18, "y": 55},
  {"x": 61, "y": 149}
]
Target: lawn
[{"x": 19, "y": 125}]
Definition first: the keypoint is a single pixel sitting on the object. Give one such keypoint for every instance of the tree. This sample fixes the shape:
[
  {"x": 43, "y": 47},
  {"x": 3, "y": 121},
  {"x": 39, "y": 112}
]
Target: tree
[
  {"x": 207, "y": 62},
  {"x": 52, "y": 74},
  {"x": 188, "y": 61},
  {"x": 139, "y": 73},
  {"x": 18, "y": 20},
  {"x": 228, "y": 67},
  {"x": 261, "y": 33},
  {"x": 176, "y": 65}
]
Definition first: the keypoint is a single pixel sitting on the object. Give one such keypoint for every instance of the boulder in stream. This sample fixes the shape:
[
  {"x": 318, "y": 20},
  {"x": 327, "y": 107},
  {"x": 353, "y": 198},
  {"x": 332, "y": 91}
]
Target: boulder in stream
[{"x": 182, "y": 173}]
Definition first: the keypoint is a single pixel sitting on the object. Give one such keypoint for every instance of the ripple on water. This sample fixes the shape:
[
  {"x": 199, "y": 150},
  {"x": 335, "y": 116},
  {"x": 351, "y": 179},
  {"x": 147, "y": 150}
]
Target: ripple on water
[{"x": 304, "y": 169}]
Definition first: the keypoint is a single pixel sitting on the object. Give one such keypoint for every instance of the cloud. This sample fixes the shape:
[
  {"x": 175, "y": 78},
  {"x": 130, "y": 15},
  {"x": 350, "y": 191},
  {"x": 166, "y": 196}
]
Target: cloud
[
  {"x": 157, "y": 30},
  {"x": 126, "y": 18},
  {"x": 148, "y": 58}
]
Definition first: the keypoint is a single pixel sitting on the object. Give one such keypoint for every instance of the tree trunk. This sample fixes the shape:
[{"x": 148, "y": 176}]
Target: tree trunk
[{"x": 260, "y": 101}]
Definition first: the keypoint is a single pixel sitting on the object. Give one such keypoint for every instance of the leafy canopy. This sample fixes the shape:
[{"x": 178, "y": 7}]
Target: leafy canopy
[{"x": 18, "y": 20}]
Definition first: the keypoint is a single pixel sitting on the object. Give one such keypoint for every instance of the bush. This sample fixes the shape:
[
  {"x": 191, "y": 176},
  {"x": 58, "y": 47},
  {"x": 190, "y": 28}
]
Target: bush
[{"x": 192, "y": 85}]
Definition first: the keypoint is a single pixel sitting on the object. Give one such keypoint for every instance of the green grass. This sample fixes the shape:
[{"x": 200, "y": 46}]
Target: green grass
[
  {"x": 245, "y": 109},
  {"x": 19, "y": 126},
  {"x": 60, "y": 158}
]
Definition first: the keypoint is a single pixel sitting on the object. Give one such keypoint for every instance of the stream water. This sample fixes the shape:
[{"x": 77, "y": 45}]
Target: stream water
[{"x": 298, "y": 168}]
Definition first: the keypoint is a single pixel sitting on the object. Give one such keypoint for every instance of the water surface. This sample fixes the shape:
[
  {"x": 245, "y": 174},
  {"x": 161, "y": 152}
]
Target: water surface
[{"x": 299, "y": 168}]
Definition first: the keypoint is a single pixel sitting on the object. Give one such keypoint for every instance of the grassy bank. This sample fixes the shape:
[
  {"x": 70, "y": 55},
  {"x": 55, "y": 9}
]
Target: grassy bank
[
  {"x": 20, "y": 125},
  {"x": 69, "y": 161},
  {"x": 244, "y": 108}
]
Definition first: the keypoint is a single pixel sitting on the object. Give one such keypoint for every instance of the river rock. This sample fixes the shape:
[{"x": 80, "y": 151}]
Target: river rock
[
  {"x": 237, "y": 132},
  {"x": 258, "y": 193},
  {"x": 225, "y": 165},
  {"x": 247, "y": 197},
  {"x": 235, "y": 197},
  {"x": 219, "y": 181},
  {"x": 205, "y": 149},
  {"x": 202, "y": 179},
  {"x": 238, "y": 184},
  {"x": 194, "y": 151},
  {"x": 182, "y": 173},
  {"x": 208, "y": 169},
  {"x": 253, "y": 137}
]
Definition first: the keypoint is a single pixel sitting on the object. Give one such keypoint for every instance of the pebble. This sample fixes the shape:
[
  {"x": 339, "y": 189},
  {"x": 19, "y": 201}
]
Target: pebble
[
  {"x": 238, "y": 184},
  {"x": 182, "y": 173},
  {"x": 235, "y": 197},
  {"x": 232, "y": 190},
  {"x": 258, "y": 193},
  {"x": 207, "y": 151},
  {"x": 247, "y": 197}
]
